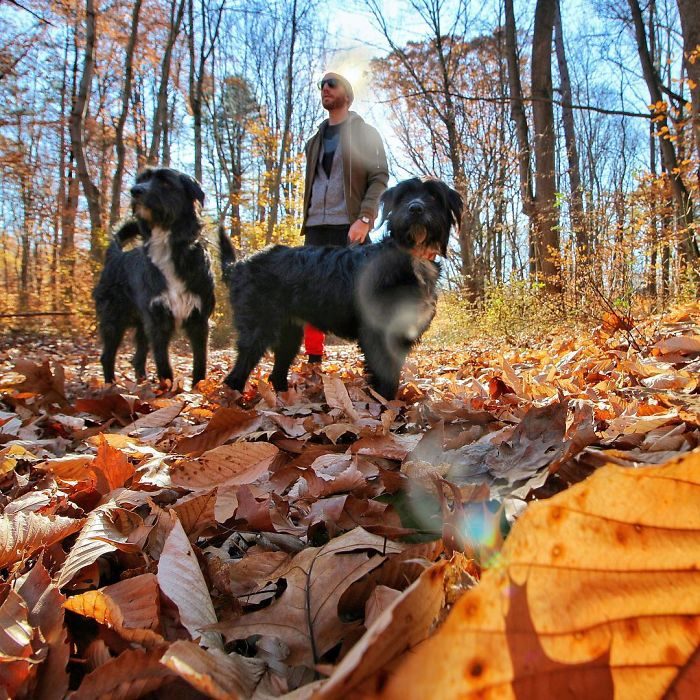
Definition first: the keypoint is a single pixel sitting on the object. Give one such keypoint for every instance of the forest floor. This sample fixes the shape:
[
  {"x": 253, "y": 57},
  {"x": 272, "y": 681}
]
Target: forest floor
[{"x": 169, "y": 540}]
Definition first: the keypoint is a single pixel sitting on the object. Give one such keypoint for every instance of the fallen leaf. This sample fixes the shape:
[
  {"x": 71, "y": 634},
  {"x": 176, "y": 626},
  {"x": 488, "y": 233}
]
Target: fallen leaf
[
  {"x": 305, "y": 617},
  {"x": 226, "y": 424},
  {"x": 597, "y": 595},
  {"x": 683, "y": 344},
  {"x": 133, "y": 674},
  {"x": 17, "y": 654},
  {"x": 106, "y": 529},
  {"x": 337, "y": 396},
  {"x": 130, "y": 607},
  {"x": 22, "y": 534},
  {"x": 160, "y": 418},
  {"x": 409, "y": 619},
  {"x": 181, "y": 579},
  {"x": 113, "y": 466},
  {"x": 196, "y": 512},
  {"x": 213, "y": 672},
  {"x": 240, "y": 463},
  {"x": 45, "y": 604},
  {"x": 38, "y": 379}
]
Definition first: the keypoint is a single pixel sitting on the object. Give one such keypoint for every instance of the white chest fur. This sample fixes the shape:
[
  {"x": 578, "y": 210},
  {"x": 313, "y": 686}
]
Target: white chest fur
[{"x": 176, "y": 296}]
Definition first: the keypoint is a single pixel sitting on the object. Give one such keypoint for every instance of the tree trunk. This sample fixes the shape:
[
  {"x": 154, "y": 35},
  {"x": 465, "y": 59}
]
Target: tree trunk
[
  {"x": 197, "y": 73},
  {"x": 77, "y": 121},
  {"x": 684, "y": 205},
  {"x": 284, "y": 143},
  {"x": 517, "y": 113},
  {"x": 576, "y": 205},
  {"x": 689, "y": 11},
  {"x": 547, "y": 221},
  {"x": 114, "y": 211},
  {"x": 161, "y": 112}
]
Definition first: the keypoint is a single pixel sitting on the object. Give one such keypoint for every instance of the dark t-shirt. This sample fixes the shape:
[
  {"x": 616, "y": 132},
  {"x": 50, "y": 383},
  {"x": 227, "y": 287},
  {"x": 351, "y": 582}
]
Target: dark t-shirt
[{"x": 331, "y": 138}]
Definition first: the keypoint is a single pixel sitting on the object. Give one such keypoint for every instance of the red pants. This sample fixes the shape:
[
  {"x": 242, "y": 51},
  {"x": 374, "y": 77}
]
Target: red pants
[{"x": 313, "y": 340}]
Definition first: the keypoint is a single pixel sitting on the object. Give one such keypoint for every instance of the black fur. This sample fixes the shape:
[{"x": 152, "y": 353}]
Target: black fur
[
  {"x": 381, "y": 295},
  {"x": 165, "y": 283}
]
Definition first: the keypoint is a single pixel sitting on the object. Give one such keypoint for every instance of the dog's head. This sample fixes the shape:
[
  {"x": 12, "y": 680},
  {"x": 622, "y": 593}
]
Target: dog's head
[
  {"x": 420, "y": 214},
  {"x": 163, "y": 196}
]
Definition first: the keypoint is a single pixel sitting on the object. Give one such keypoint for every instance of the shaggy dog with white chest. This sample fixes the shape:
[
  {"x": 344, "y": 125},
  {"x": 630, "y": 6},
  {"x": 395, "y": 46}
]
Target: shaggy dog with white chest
[
  {"x": 382, "y": 295},
  {"x": 163, "y": 285}
]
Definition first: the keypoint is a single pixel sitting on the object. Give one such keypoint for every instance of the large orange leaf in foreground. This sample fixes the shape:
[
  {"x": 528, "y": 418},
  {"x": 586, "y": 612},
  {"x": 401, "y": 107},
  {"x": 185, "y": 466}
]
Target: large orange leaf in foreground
[{"x": 597, "y": 596}]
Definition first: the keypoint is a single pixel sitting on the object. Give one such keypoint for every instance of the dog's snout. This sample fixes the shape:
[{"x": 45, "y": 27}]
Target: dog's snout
[
  {"x": 137, "y": 190},
  {"x": 416, "y": 207}
]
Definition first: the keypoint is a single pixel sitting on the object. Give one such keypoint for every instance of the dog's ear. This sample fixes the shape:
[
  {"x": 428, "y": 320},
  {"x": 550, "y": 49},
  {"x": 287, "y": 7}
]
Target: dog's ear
[
  {"x": 387, "y": 201},
  {"x": 456, "y": 204},
  {"x": 193, "y": 188}
]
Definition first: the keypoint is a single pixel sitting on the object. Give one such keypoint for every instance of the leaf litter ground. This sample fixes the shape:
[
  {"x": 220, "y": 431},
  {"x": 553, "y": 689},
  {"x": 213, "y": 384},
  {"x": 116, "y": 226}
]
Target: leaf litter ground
[{"x": 164, "y": 540}]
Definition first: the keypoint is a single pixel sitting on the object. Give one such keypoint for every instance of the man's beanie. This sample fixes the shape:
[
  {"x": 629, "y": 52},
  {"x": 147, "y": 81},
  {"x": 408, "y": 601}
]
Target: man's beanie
[{"x": 344, "y": 82}]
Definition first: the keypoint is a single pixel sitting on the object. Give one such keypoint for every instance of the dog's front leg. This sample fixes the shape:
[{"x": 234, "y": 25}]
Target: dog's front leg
[
  {"x": 197, "y": 330},
  {"x": 382, "y": 362},
  {"x": 159, "y": 329}
]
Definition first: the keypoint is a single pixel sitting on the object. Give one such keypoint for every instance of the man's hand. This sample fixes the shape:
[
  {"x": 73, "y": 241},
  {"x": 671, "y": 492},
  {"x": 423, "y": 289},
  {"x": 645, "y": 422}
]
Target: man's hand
[{"x": 358, "y": 232}]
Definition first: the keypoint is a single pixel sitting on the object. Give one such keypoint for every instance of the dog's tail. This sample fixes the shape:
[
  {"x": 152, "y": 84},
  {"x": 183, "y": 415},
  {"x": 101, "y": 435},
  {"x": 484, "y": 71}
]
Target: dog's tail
[
  {"x": 126, "y": 232},
  {"x": 227, "y": 255}
]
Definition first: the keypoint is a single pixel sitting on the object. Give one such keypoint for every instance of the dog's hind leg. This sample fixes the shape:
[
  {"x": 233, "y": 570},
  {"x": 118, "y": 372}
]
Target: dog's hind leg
[
  {"x": 383, "y": 363},
  {"x": 285, "y": 351},
  {"x": 139, "y": 359},
  {"x": 197, "y": 330},
  {"x": 249, "y": 351},
  {"x": 112, "y": 335}
]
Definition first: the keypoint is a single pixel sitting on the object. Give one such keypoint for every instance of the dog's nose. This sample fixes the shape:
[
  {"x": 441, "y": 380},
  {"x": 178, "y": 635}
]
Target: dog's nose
[
  {"x": 416, "y": 207},
  {"x": 136, "y": 190}
]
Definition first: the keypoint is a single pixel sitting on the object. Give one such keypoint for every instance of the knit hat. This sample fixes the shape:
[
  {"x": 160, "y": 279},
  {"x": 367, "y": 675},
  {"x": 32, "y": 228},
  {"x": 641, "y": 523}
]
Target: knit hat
[{"x": 344, "y": 82}]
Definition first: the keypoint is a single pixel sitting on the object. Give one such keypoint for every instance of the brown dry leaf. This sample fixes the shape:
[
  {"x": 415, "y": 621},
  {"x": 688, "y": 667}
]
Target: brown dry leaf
[
  {"x": 45, "y": 603},
  {"x": 107, "y": 528},
  {"x": 683, "y": 344},
  {"x": 131, "y": 675},
  {"x": 129, "y": 606},
  {"x": 17, "y": 653},
  {"x": 379, "y": 601},
  {"x": 688, "y": 407},
  {"x": 161, "y": 418},
  {"x": 213, "y": 672},
  {"x": 597, "y": 595},
  {"x": 181, "y": 579},
  {"x": 112, "y": 405},
  {"x": 408, "y": 620},
  {"x": 254, "y": 570},
  {"x": 9, "y": 456},
  {"x": 112, "y": 467},
  {"x": 22, "y": 534},
  {"x": 337, "y": 396},
  {"x": 38, "y": 379},
  {"x": 226, "y": 424},
  {"x": 537, "y": 441},
  {"x": 196, "y": 512},
  {"x": 71, "y": 468},
  {"x": 305, "y": 617},
  {"x": 239, "y": 463}
]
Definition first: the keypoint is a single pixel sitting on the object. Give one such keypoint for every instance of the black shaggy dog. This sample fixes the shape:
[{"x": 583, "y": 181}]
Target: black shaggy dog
[
  {"x": 381, "y": 295},
  {"x": 162, "y": 285}
]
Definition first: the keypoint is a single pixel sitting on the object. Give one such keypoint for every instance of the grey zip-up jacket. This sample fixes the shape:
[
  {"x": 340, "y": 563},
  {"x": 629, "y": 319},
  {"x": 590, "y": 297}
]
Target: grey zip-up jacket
[{"x": 365, "y": 172}]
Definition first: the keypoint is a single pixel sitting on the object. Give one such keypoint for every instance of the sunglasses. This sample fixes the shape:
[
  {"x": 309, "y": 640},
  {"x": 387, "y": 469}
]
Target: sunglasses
[{"x": 331, "y": 82}]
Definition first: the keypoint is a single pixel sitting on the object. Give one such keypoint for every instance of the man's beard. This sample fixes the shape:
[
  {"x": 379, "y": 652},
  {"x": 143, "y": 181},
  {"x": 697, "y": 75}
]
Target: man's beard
[{"x": 330, "y": 103}]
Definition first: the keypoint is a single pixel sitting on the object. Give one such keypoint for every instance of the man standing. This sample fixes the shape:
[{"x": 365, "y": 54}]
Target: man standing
[{"x": 346, "y": 174}]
